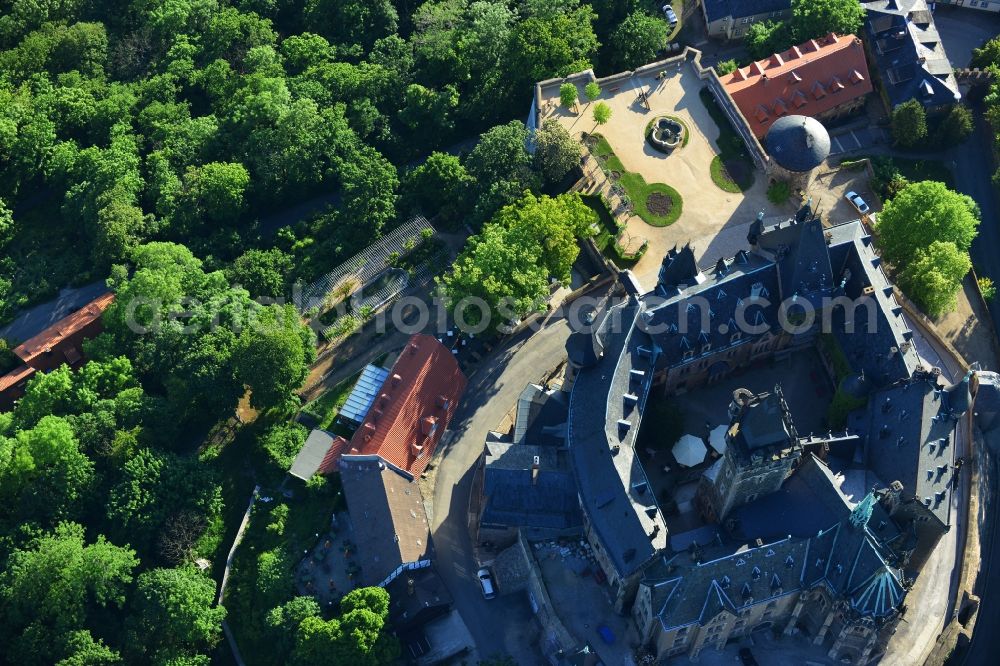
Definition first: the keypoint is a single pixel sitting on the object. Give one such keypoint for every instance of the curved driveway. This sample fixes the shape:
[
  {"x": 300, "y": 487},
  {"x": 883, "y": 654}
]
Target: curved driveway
[{"x": 504, "y": 625}]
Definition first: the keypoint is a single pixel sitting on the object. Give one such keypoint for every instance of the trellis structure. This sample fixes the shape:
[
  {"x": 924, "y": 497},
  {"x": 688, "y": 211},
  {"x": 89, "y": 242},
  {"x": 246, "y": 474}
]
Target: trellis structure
[{"x": 364, "y": 266}]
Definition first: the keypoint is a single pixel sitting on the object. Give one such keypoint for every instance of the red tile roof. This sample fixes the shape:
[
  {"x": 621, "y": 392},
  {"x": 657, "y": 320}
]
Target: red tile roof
[
  {"x": 417, "y": 402},
  {"x": 807, "y": 79},
  {"x": 329, "y": 462},
  {"x": 15, "y": 377},
  {"x": 55, "y": 335}
]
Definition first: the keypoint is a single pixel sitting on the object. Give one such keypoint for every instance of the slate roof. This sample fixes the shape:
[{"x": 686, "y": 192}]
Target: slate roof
[
  {"x": 407, "y": 605},
  {"x": 541, "y": 417},
  {"x": 808, "y": 79},
  {"x": 387, "y": 518},
  {"x": 880, "y": 343},
  {"x": 717, "y": 9},
  {"x": 987, "y": 400},
  {"x": 712, "y": 312},
  {"x": 799, "y": 246},
  {"x": 797, "y": 143},
  {"x": 910, "y": 438},
  {"x": 809, "y": 501},
  {"x": 852, "y": 562},
  {"x": 515, "y": 497},
  {"x": 602, "y": 427},
  {"x": 909, "y": 53},
  {"x": 417, "y": 402}
]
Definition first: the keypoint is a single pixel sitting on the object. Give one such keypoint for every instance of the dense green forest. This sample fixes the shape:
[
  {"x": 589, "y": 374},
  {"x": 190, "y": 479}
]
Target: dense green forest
[
  {"x": 162, "y": 145},
  {"x": 200, "y": 121}
]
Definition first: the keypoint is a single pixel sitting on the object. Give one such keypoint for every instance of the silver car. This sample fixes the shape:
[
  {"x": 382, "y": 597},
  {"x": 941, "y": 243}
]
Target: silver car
[
  {"x": 668, "y": 11},
  {"x": 486, "y": 582},
  {"x": 857, "y": 202}
]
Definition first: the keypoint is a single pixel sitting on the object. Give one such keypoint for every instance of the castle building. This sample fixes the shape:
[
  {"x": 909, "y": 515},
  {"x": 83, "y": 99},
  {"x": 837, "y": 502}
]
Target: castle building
[{"x": 785, "y": 546}]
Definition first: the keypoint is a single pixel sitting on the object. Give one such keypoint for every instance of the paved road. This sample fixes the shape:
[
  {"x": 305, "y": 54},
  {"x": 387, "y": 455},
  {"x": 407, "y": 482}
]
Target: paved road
[
  {"x": 504, "y": 625},
  {"x": 972, "y": 165},
  {"x": 962, "y": 30}
]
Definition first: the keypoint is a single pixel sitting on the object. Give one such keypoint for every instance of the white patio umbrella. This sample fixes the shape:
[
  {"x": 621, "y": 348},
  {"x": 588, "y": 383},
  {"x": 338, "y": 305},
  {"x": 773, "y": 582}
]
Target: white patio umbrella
[
  {"x": 689, "y": 451},
  {"x": 717, "y": 439}
]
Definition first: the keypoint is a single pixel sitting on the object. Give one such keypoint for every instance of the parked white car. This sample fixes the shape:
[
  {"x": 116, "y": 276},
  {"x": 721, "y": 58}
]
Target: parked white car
[
  {"x": 486, "y": 582},
  {"x": 668, "y": 11},
  {"x": 857, "y": 202}
]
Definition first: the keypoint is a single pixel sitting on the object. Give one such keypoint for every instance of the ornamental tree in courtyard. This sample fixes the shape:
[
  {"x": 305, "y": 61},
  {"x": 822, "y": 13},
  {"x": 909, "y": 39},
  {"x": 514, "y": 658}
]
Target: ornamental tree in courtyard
[{"x": 602, "y": 113}]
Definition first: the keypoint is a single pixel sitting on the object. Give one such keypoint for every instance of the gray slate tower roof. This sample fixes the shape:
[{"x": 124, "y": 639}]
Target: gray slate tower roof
[{"x": 798, "y": 143}]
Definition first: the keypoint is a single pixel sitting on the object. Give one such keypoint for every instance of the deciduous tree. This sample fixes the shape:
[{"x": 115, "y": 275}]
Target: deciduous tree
[
  {"x": 909, "y": 123},
  {"x": 175, "y": 615},
  {"x": 638, "y": 39},
  {"x": 921, "y": 214},
  {"x": 602, "y": 113},
  {"x": 934, "y": 276},
  {"x": 556, "y": 152}
]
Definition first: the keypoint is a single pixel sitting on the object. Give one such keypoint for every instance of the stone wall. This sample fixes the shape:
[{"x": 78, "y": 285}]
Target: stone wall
[{"x": 688, "y": 55}]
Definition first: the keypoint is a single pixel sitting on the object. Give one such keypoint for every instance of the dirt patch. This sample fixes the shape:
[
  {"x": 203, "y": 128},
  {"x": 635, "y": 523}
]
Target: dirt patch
[
  {"x": 659, "y": 203},
  {"x": 616, "y": 175},
  {"x": 738, "y": 171}
]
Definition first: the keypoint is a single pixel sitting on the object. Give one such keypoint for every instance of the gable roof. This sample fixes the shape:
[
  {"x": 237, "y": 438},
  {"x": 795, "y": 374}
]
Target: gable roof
[
  {"x": 388, "y": 520},
  {"x": 717, "y": 9},
  {"x": 317, "y": 454},
  {"x": 808, "y": 79},
  {"x": 418, "y": 400},
  {"x": 516, "y": 495},
  {"x": 55, "y": 335},
  {"x": 613, "y": 487},
  {"x": 909, "y": 53}
]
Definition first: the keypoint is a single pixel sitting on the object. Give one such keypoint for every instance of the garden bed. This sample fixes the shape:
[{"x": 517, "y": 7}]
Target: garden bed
[
  {"x": 636, "y": 188},
  {"x": 732, "y": 169},
  {"x": 606, "y": 239}
]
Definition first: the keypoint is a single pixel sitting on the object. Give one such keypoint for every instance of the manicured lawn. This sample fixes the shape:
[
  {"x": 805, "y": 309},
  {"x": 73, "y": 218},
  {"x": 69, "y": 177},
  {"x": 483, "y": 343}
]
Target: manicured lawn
[
  {"x": 731, "y": 169},
  {"x": 658, "y": 204}
]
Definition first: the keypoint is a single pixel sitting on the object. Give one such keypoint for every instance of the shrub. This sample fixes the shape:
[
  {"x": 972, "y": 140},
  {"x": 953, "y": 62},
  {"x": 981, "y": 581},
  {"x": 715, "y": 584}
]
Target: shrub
[
  {"x": 726, "y": 67},
  {"x": 779, "y": 192},
  {"x": 987, "y": 287}
]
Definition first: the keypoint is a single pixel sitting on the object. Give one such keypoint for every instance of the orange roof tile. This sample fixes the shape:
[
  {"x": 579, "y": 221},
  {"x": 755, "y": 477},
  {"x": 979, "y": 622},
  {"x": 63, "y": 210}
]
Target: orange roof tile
[
  {"x": 810, "y": 78},
  {"x": 417, "y": 402},
  {"x": 54, "y": 335},
  {"x": 15, "y": 376}
]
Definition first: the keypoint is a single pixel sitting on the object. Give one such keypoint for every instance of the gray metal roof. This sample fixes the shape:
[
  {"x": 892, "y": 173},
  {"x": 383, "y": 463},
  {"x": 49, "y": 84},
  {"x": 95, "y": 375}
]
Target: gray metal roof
[
  {"x": 797, "y": 143},
  {"x": 311, "y": 455},
  {"x": 363, "y": 394}
]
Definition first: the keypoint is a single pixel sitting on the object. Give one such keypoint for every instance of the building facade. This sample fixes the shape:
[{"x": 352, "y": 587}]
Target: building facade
[{"x": 731, "y": 19}]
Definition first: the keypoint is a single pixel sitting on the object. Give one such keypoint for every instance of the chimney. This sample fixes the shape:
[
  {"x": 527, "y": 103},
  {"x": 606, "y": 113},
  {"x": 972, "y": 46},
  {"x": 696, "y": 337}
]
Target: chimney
[
  {"x": 409, "y": 586},
  {"x": 534, "y": 470}
]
